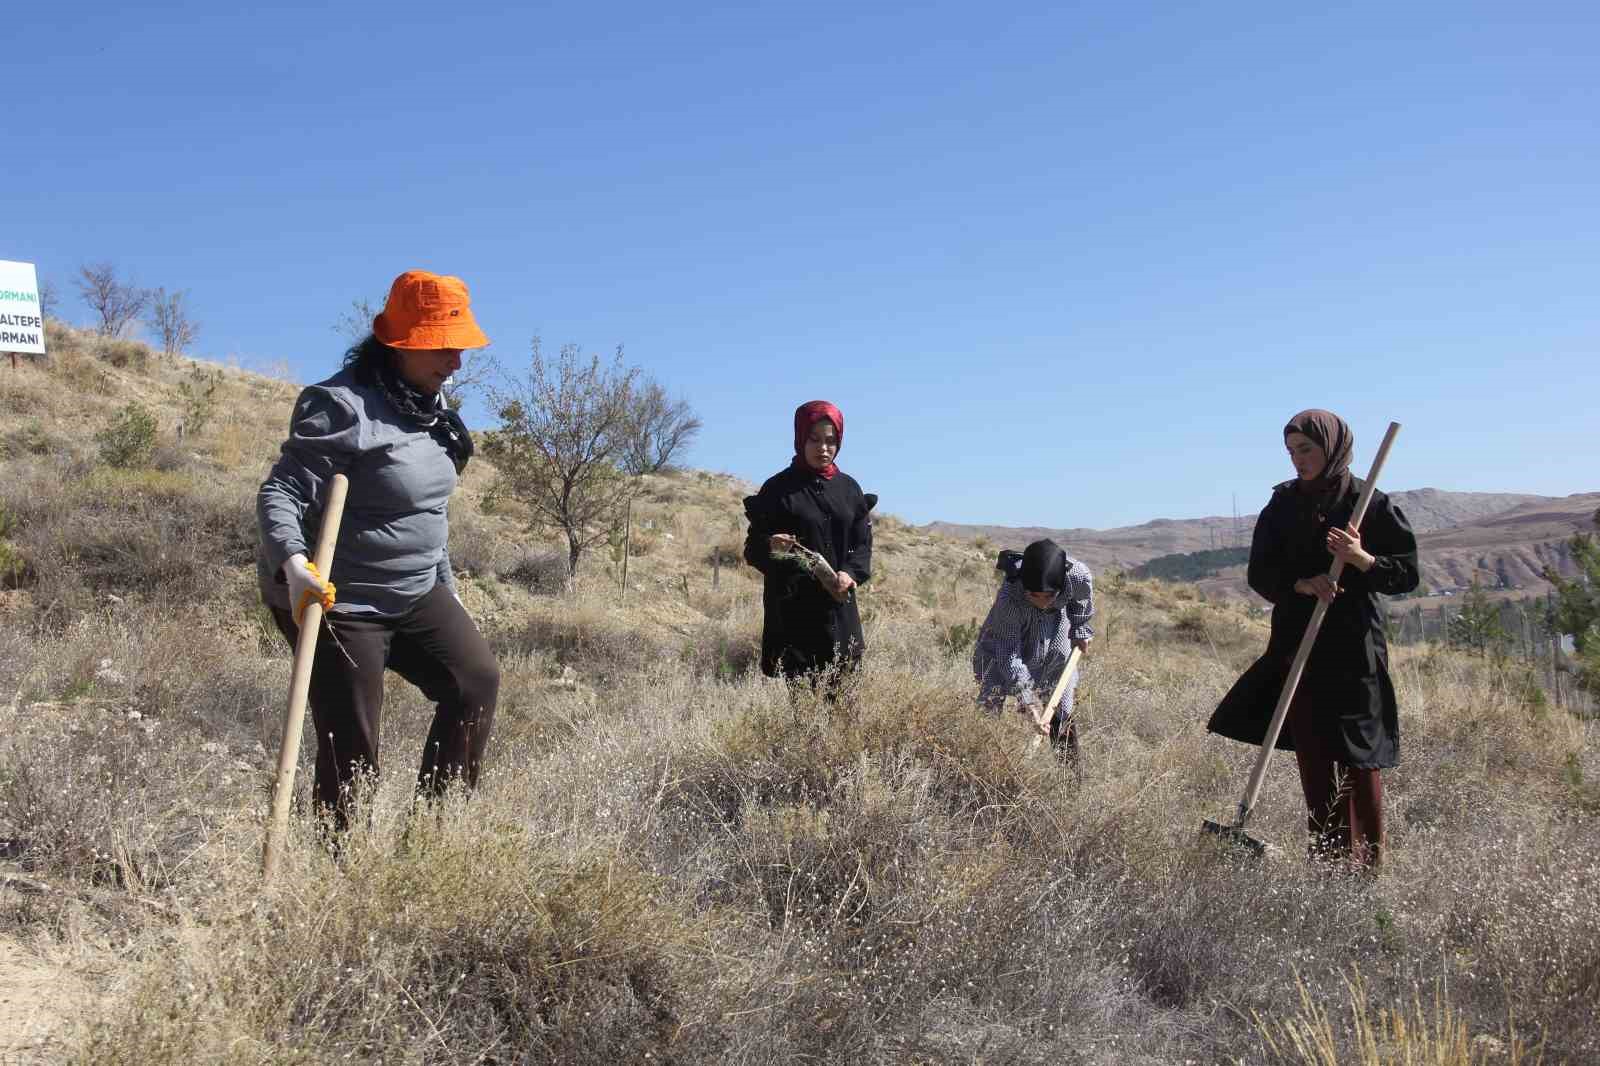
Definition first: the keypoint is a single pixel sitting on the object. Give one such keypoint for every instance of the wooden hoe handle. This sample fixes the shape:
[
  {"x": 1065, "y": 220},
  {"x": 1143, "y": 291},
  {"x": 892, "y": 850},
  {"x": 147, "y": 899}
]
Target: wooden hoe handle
[
  {"x": 1042, "y": 719},
  {"x": 300, "y": 682}
]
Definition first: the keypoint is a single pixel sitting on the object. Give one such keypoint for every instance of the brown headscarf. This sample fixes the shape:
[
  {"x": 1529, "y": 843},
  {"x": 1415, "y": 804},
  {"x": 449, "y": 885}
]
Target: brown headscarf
[{"x": 1332, "y": 434}]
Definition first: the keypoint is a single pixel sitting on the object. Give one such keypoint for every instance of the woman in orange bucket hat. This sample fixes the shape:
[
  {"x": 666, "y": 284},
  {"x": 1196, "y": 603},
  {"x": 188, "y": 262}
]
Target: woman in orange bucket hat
[{"x": 382, "y": 422}]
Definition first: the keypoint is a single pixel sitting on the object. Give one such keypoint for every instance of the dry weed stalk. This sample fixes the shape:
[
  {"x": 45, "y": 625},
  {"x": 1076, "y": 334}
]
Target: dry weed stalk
[{"x": 1407, "y": 1035}]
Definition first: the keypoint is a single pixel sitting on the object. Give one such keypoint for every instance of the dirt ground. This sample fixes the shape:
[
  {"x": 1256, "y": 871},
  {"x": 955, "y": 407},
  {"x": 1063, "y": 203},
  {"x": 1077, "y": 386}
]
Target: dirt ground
[{"x": 36, "y": 995}]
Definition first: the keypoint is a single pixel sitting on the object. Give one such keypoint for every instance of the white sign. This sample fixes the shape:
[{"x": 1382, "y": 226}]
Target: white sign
[{"x": 21, "y": 318}]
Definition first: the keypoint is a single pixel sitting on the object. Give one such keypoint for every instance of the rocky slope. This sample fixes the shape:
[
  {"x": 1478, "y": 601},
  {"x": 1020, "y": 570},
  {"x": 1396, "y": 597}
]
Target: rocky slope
[{"x": 1504, "y": 540}]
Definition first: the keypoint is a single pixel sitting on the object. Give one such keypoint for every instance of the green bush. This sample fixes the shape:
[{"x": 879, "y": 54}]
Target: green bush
[{"x": 130, "y": 439}]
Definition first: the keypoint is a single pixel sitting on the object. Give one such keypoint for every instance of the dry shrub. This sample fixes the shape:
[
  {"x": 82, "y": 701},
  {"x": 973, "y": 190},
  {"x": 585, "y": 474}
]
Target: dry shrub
[
  {"x": 1434, "y": 1035},
  {"x": 470, "y": 936},
  {"x": 81, "y": 372},
  {"x": 597, "y": 643},
  {"x": 477, "y": 548},
  {"x": 30, "y": 438},
  {"x": 641, "y": 542},
  {"x": 122, "y": 354},
  {"x": 81, "y": 794},
  {"x": 60, "y": 337},
  {"x": 107, "y": 800},
  {"x": 759, "y": 754},
  {"x": 726, "y": 648},
  {"x": 542, "y": 708},
  {"x": 1190, "y": 624},
  {"x": 540, "y": 572},
  {"x": 727, "y": 554},
  {"x": 133, "y": 721},
  {"x": 158, "y": 534},
  {"x": 234, "y": 445}
]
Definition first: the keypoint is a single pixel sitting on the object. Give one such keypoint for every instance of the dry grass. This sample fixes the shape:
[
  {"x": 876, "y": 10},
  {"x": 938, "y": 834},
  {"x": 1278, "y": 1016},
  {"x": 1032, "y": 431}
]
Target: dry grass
[
  {"x": 1435, "y": 1034},
  {"x": 671, "y": 859}
]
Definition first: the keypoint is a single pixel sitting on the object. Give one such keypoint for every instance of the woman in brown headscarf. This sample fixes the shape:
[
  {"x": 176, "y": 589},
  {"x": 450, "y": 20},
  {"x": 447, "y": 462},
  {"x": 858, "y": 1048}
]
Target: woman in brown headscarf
[{"x": 1343, "y": 724}]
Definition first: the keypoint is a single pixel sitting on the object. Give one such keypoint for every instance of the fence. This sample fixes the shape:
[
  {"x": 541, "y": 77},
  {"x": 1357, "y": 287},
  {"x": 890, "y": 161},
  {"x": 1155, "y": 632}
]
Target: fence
[{"x": 1527, "y": 637}]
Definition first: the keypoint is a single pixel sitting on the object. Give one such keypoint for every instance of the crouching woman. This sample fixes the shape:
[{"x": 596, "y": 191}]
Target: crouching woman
[{"x": 1041, "y": 612}]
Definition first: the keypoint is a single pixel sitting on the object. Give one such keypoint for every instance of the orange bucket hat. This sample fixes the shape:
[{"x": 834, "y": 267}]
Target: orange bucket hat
[{"x": 428, "y": 311}]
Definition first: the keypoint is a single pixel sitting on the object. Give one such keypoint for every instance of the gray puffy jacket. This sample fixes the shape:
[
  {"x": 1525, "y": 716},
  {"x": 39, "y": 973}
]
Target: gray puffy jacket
[{"x": 392, "y": 540}]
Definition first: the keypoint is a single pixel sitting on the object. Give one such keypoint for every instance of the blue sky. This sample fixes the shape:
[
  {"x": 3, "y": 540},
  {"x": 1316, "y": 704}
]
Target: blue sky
[{"x": 1063, "y": 265}]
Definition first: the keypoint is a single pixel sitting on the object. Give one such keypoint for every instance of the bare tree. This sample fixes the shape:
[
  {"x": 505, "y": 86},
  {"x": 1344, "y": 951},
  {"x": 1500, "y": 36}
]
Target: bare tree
[
  {"x": 355, "y": 321},
  {"x": 48, "y": 299},
  {"x": 658, "y": 429},
  {"x": 170, "y": 321},
  {"x": 562, "y": 432},
  {"x": 119, "y": 304}
]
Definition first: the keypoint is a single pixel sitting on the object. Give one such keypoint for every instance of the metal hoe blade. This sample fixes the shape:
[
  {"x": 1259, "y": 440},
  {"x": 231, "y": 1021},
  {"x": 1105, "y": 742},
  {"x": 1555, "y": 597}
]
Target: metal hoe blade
[{"x": 1234, "y": 834}]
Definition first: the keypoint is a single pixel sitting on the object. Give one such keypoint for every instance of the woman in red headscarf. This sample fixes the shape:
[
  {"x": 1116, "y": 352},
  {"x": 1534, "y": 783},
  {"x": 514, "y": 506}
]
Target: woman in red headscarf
[
  {"x": 809, "y": 625},
  {"x": 1343, "y": 725}
]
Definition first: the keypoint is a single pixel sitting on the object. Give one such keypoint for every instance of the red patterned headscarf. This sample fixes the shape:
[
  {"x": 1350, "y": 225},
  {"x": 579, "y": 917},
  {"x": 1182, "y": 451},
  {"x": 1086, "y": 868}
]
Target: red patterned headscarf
[{"x": 808, "y": 415}]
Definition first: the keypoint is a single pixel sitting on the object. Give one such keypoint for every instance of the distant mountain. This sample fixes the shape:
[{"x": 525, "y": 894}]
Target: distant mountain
[{"x": 1503, "y": 538}]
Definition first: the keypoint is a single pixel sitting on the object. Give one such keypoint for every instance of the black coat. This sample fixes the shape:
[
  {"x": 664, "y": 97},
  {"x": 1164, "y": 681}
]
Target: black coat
[
  {"x": 1349, "y": 664},
  {"x": 804, "y": 627}
]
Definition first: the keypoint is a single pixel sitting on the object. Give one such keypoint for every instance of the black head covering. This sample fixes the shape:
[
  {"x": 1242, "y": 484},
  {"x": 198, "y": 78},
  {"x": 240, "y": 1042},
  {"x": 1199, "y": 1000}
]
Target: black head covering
[{"x": 1044, "y": 567}]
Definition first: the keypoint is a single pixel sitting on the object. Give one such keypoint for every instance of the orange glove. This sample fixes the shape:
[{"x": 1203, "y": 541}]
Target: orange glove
[{"x": 306, "y": 585}]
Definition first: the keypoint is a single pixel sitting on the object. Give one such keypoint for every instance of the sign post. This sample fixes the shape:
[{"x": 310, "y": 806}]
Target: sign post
[{"x": 21, "y": 317}]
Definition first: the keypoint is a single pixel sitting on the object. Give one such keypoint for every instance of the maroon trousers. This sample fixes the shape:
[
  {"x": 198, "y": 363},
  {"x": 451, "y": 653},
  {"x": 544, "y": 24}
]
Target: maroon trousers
[
  {"x": 436, "y": 647},
  {"x": 1344, "y": 805}
]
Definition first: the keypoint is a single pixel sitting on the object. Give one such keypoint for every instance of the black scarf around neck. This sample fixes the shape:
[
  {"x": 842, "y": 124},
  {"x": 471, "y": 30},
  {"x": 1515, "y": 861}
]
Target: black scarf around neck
[{"x": 429, "y": 412}]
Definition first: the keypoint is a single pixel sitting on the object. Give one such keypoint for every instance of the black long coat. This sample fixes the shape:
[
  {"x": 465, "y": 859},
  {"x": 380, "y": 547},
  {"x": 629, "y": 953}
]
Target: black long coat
[
  {"x": 804, "y": 627},
  {"x": 1349, "y": 664}
]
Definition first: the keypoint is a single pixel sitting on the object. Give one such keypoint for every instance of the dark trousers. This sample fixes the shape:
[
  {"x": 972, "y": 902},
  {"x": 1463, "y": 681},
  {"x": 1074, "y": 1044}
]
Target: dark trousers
[
  {"x": 436, "y": 647},
  {"x": 1344, "y": 805}
]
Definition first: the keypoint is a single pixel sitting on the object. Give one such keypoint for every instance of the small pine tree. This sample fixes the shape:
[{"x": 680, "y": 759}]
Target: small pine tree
[
  {"x": 1577, "y": 606},
  {"x": 130, "y": 439},
  {"x": 1477, "y": 626},
  {"x": 198, "y": 400}
]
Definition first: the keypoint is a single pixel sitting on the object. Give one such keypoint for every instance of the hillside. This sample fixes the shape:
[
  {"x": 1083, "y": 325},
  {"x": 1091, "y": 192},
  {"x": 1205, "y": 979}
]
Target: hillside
[
  {"x": 673, "y": 859},
  {"x": 1503, "y": 539}
]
